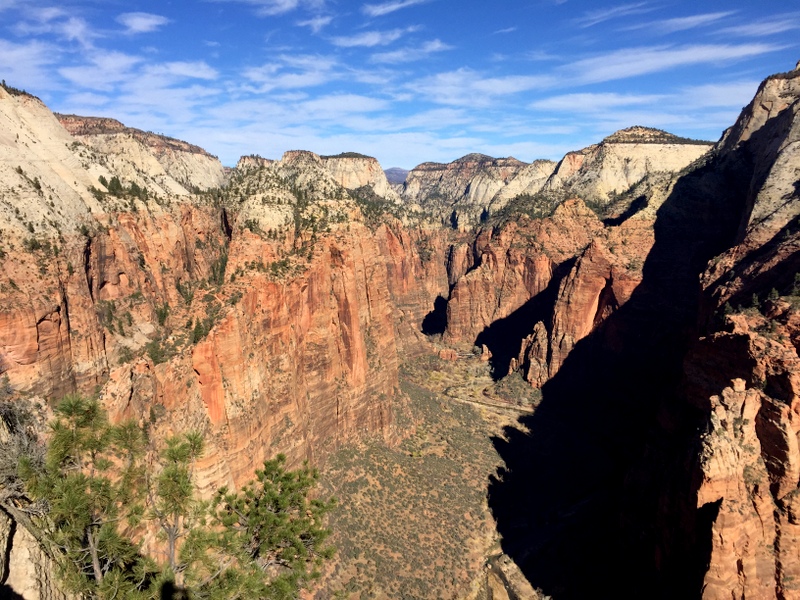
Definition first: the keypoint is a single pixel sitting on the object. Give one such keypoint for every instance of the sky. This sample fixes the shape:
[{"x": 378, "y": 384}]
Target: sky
[{"x": 405, "y": 81}]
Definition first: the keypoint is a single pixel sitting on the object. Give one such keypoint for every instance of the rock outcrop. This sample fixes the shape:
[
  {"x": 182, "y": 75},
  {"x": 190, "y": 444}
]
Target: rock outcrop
[
  {"x": 682, "y": 400},
  {"x": 744, "y": 374},
  {"x": 621, "y": 160},
  {"x": 272, "y": 314},
  {"x": 353, "y": 171},
  {"x": 466, "y": 192},
  {"x": 458, "y": 193},
  {"x": 161, "y": 158}
]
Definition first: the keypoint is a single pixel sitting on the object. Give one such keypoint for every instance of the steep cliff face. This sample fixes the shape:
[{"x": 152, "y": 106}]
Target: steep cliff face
[
  {"x": 265, "y": 314},
  {"x": 743, "y": 375},
  {"x": 466, "y": 192},
  {"x": 252, "y": 161},
  {"x": 159, "y": 156},
  {"x": 621, "y": 160},
  {"x": 697, "y": 481},
  {"x": 529, "y": 180},
  {"x": 458, "y": 193},
  {"x": 506, "y": 267},
  {"x": 352, "y": 171}
]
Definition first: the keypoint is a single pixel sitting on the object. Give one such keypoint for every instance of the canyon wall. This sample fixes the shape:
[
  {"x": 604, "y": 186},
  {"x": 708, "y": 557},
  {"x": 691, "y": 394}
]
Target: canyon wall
[
  {"x": 743, "y": 375},
  {"x": 269, "y": 317},
  {"x": 666, "y": 437}
]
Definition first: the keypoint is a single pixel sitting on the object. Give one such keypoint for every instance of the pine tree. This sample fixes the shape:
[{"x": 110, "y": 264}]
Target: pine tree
[
  {"x": 89, "y": 497},
  {"x": 91, "y": 482}
]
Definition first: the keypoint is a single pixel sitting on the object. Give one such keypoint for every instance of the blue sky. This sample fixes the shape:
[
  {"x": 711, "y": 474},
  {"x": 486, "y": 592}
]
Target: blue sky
[{"x": 406, "y": 81}]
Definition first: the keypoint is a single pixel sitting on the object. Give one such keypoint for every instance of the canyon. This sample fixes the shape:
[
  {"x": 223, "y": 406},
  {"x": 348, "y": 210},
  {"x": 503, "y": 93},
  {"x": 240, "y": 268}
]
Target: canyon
[{"x": 641, "y": 295}]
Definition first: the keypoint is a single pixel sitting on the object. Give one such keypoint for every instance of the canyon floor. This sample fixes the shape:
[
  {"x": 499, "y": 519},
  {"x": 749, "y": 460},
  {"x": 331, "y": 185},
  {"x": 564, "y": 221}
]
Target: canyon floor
[{"x": 413, "y": 520}]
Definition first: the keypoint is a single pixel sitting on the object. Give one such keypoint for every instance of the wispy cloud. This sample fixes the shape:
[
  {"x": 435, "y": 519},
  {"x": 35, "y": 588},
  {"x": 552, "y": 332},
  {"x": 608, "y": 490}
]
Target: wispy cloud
[
  {"x": 734, "y": 94},
  {"x": 411, "y": 53},
  {"x": 692, "y": 108},
  {"x": 506, "y": 30},
  {"x": 384, "y": 8},
  {"x": 292, "y": 72},
  {"x": 316, "y": 24},
  {"x": 28, "y": 64},
  {"x": 268, "y": 8},
  {"x": 57, "y": 22},
  {"x": 632, "y": 62},
  {"x": 369, "y": 39},
  {"x": 466, "y": 87},
  {"x": 595, "y": 17},
  {"x": 188, "y": 69},
  {"x": 593, "y": 102},
  {"x": 103, "y": 71},
  {"x": 140, "y": 22},
  {"x": 335, "y": 105},
  {"x": 766, "y": 27},
  {"x": 681, "y": 23}
]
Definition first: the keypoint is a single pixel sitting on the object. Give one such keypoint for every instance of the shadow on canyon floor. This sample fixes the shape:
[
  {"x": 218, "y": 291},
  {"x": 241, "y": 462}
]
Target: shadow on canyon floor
[{"x": 595, "y": 499}]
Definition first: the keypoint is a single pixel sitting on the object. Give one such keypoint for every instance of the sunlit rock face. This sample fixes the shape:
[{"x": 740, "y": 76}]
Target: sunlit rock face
[{"x": 268, "y": 315}]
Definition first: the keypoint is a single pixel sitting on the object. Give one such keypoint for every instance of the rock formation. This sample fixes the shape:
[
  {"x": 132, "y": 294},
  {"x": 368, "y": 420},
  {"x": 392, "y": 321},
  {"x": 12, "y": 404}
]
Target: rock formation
[
  {"x": 458, "y": 193},
  {"x": 265, "y": 316},
  {"x": 466, "y": 192},
  {"x": 744, "y": 374},
  {"x": 353, "y": 171},
  {"x": 270, "y": 308},
  {"x": 160, "y": 157},
  {"x": 599, "y": 172}
]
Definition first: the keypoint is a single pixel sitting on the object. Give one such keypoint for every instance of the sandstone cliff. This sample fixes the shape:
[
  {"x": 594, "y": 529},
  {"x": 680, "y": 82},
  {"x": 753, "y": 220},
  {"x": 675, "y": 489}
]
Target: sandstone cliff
[
  {"x": 131, "y": 151},
  {"x": 743, "y": 375},
  {"x": 352, "y": 171},
  {"x": 265, "y": 314},
  {"x": 696, "y": 481},
  {"x": 458, "y": 193},
  {"x": 621, "y": 160},
  {"x": 466, "y": 192}
]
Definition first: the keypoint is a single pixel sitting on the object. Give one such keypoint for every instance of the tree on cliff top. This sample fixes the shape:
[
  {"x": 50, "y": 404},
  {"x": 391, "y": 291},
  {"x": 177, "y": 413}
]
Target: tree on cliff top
[{"x": 88, "y": 495}]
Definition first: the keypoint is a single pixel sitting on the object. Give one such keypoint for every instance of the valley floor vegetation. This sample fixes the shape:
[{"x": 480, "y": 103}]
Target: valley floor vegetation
[
  {"x": 412, "y": 519},
  {"x": 121, "y": 519}
]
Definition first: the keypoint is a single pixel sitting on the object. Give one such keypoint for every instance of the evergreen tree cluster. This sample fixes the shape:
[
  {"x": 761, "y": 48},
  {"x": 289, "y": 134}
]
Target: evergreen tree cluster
[{"x": 89, "y": 500}]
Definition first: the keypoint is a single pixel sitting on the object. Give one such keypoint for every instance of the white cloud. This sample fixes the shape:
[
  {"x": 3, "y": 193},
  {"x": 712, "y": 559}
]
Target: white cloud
[
  {"x": 766, "y": 27},
  {"x": 735, "y": 94},
  {"x": 595, "y": 17},
  {"x": 316, "y": 23},
  {"x": 86, "y": 99},
  {"x": 466, "y": 87},
  {"x": 336, "y": 105},
  {"x": 369, "y": 39},
  {"x": 56, "y": 21},
  {"x": 268, "y": 8},
  {"x": 506, "y": 30},
  {"x": 184, "y": 69},
  {"x": 45, "y": 14},
  {"x": 141, "y": 22},
  {"x": 632, "y": 62},
  {"x": 411, "y": 54},
  {"x": 593, "y": 102},
  {"x": 682, "y": 23},
  {"x": 384, "y": 8},
  {"x": 104, "y": 71},
  {"x": 28, "y": 65},
  {"x": 292, "y": 72}
]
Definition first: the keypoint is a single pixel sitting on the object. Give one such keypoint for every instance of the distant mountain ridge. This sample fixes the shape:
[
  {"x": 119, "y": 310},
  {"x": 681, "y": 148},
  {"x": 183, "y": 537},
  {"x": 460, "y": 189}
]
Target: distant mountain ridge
[{"x": 396, "y": 175}]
